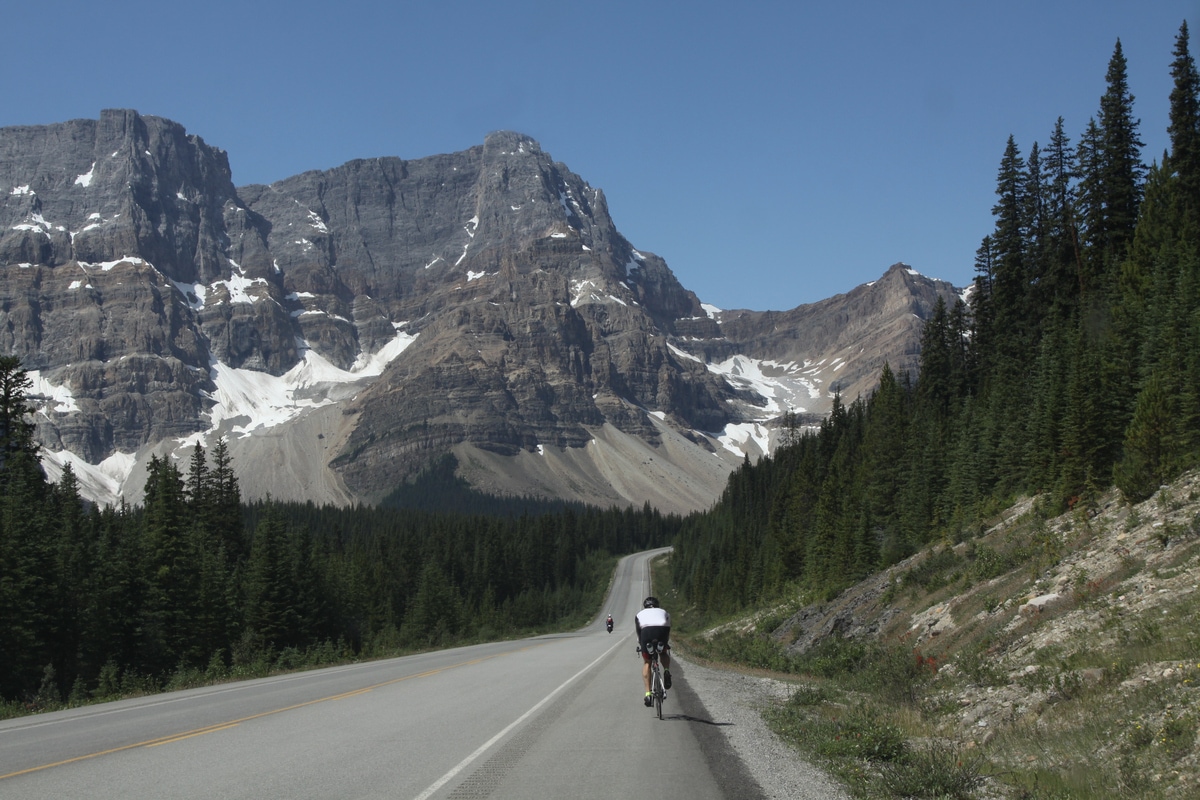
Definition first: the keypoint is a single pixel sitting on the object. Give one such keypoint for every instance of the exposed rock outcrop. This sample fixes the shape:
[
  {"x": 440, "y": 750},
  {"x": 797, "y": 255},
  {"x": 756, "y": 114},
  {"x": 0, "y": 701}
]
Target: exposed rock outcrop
[{"x": 481, "y": 299}]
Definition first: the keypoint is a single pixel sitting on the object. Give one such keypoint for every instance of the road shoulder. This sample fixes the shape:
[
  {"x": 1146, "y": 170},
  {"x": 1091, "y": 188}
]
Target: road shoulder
[{"x": 733, "y": 702}]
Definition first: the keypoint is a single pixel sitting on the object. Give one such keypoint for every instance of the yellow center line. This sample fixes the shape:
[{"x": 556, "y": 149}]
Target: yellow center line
[
  {"x": 220, "y": 726},
  {"x": 190, "y": 735}
]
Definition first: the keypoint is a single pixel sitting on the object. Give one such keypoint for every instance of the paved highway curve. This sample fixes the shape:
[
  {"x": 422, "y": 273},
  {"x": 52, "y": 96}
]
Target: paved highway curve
[{"x": 548, "y": 717}]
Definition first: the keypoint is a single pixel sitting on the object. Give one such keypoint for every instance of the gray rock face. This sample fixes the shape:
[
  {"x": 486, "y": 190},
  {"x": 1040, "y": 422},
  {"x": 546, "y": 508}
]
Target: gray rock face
[{"x": 136, "y": 278}]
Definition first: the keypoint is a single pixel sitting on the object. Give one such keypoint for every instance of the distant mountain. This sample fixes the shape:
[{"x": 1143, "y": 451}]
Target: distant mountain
[{"x": 346, "y": 329}]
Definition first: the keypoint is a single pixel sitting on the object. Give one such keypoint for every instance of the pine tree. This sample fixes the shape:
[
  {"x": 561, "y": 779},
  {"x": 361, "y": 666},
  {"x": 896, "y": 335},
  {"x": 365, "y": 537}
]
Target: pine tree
[
  {"x": 16, "y": 431},
  {"x": 224, "y": 502},
  {"x": 168, "y": 572},
  {"x": 1184, "y": 128},
  {"x": 1147, "y": 462},
  {"x": 1121, "y": 164},
  {"x": 982, "y": 308},
  {"x": 1090, "y": 205},
  {"x": 198, "y": 481},
  {"x": 271, "y": 617},
  {"x": 1037, "y": 241},
  {"x": 1010, "y": 281},
  {"x": 1061, "y": 272},
  {"x": 74, "y": 559},
  {"x": 26, "y": 566},
  {"x": 884, "y": 455}
]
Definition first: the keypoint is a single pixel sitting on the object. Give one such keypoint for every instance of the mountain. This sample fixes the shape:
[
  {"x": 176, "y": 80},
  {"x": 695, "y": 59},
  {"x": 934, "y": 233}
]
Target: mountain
[{"x": 344, "y": 329}]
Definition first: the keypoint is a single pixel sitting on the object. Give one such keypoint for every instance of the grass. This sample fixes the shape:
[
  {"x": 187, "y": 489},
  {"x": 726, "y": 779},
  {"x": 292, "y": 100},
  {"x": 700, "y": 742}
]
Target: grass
[{"x": 1102, "y": 710}]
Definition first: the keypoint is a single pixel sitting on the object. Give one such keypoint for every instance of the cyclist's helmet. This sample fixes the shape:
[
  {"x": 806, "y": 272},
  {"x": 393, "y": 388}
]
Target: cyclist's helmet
[{"x": 650, "y": 602}]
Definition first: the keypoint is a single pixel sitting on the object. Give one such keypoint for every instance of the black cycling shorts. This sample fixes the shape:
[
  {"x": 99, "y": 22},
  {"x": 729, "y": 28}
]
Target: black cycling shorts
[{"x": 660, "y": 632}]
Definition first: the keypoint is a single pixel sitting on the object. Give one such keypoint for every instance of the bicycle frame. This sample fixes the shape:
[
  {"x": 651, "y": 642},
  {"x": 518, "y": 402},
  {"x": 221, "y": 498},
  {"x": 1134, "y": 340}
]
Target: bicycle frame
[{"x": 656, "y": 681}]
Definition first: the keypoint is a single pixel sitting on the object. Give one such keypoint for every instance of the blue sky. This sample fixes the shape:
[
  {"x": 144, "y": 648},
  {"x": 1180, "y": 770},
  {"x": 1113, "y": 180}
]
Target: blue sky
[{"x": 774, "y": 153}]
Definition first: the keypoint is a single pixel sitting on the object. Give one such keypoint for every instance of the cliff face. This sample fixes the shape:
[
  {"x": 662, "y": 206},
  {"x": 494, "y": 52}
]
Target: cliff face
[
  {"x": 481, "y": 302},
  {"x": 101, "y": 223},
  {"x": 534, "y": 318}
]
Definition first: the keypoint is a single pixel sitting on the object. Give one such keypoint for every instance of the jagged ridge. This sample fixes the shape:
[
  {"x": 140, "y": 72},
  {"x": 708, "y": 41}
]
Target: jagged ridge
[{"x": 366, "y": 319}]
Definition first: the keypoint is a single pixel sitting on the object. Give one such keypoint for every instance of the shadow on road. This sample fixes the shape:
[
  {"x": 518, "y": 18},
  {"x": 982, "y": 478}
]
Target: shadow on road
[{"x": 690, "y": 718}]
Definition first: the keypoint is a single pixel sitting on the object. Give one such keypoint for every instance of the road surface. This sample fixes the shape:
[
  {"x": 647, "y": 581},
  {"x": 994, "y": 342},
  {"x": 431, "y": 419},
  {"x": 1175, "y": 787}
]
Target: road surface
[{"x": 548, "y": 717}]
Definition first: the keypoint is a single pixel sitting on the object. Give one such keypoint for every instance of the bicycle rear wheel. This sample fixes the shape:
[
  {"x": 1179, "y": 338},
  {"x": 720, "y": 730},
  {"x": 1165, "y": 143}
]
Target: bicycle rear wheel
[{"x": 659, "y": 692}]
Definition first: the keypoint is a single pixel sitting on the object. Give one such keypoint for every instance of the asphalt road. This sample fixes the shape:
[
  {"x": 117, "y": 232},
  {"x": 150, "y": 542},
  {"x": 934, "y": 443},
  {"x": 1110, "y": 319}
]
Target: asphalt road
[{"x": 547, "y": 717}]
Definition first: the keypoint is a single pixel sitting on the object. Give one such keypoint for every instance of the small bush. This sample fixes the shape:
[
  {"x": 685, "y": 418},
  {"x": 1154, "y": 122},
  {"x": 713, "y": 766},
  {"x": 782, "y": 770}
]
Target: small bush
[
  {"x": 1178, "y": 734},
  {"x": 933, "y": 573},
  {"x": 809, "y": 695},
  {"x": 862, "y": 734},
  {"x": 751, "y": 650},
  {"x": 989, "y": 563},
  {"x": 978, "y": 668},
  {"x": 865, "y": 737},
  {"x": 109, "y": 683},
  {"x": 833, "y": 657},
  {"x": 939, "y": 770}
]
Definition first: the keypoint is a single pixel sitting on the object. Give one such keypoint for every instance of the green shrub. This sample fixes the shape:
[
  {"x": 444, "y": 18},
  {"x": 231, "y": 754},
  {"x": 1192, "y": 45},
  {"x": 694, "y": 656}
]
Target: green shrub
[
  {"x": 990, "y": 563},
  {"x": 865, "y": 737},
  {"x": 808, "y": 695},
  {"x": 979, "y": 669},
  {"x": 752, "y": 650},
  {"x": 933, "y": 572},
  {"x": 938, "y": 770},
  {"x": 862, "y": 733}
]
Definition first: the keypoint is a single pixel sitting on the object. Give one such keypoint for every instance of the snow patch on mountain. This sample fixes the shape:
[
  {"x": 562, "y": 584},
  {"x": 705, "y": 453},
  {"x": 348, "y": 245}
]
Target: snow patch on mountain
[
  {"x": 193, "y": 294},
  {"x": 52, "y": 397},
  {"x": 38, "y": 224},
  {"x": 249, "y": 400},
  {"x": 780, "y": 385},
  {"x": 85, "y": 180},
  {"x": 736, "y": 437},
  {"x": 107, "y": 266},
  {"x": 683, "y": 353},
  {"x": 101, "y": 483}
]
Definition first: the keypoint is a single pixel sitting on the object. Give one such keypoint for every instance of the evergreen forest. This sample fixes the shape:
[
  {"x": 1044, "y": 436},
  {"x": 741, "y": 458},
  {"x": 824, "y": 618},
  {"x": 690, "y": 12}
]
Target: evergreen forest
[
  {"x": 195, "y": 585},
  {"x": 1073, "y": 365}
]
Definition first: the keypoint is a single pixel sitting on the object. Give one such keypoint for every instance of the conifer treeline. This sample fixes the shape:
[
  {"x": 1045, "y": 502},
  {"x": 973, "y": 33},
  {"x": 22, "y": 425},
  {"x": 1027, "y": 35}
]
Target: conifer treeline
[
  {"x": 1074, "y": 365},
  {"x": 94, "y": 601}
]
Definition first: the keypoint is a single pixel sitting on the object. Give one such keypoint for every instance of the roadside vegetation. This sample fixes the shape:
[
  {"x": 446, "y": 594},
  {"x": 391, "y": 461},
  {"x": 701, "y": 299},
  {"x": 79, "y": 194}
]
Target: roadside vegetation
[
  {"x": 975, "y": 581},
  {"x": 989, "y": 693}
]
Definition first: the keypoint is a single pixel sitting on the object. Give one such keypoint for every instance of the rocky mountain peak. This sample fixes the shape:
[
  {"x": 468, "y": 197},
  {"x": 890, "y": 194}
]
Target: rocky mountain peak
[{"x": 356, "y": 323}]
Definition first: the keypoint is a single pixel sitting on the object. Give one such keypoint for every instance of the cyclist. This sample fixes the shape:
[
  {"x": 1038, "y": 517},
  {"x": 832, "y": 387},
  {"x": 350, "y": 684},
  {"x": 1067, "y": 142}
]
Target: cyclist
[
  {"x": 653, "y": 623},
  {"x": 609, "y": 623}
]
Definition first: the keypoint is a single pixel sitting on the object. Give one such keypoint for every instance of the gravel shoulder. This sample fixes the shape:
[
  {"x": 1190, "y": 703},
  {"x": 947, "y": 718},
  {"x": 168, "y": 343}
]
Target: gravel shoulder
[{"x": 735, "y": 701}]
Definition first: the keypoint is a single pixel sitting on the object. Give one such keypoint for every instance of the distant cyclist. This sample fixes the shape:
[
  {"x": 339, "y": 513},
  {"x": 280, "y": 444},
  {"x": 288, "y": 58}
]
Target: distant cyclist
[{"x": 653, "y": 623}]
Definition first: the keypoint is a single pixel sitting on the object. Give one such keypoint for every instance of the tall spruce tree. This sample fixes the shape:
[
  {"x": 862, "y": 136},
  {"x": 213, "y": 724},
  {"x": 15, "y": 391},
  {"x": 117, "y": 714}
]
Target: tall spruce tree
[
  {"x": 16, "y": 431},
  {"x": 983, "y": 324},
  {"x": 1122, "y": 170},
  {"x": 1184, "y": 128},
  {"x": 1061, "y": 271},
  {"x": 26, "y": 564},
  {"x": 225, "y": 503},
  {"x": 1008, "y": 245},
  {"x": 167, "y": 571},
  {"x": 1089, "y": 203}
]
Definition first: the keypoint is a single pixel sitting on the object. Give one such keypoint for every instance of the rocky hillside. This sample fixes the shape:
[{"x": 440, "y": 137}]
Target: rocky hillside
[
  {"x": 345, "y": 328},
  {"x": 1060, "y": 644}
]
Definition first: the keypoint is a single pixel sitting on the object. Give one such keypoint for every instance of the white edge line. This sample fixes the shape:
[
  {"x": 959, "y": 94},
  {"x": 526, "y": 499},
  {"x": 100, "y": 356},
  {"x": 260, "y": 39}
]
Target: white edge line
[{"x": 483, "y": 748}]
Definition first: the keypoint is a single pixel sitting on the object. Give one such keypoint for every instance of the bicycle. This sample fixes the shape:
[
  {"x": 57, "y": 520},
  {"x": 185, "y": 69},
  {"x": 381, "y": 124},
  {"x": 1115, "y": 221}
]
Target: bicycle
[{"x": 657, "y": 690}]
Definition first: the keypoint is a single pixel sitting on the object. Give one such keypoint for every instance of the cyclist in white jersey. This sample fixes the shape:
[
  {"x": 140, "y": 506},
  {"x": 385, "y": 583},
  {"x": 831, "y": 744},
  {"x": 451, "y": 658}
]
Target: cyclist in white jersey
[{"x": 653, "y": 623}]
